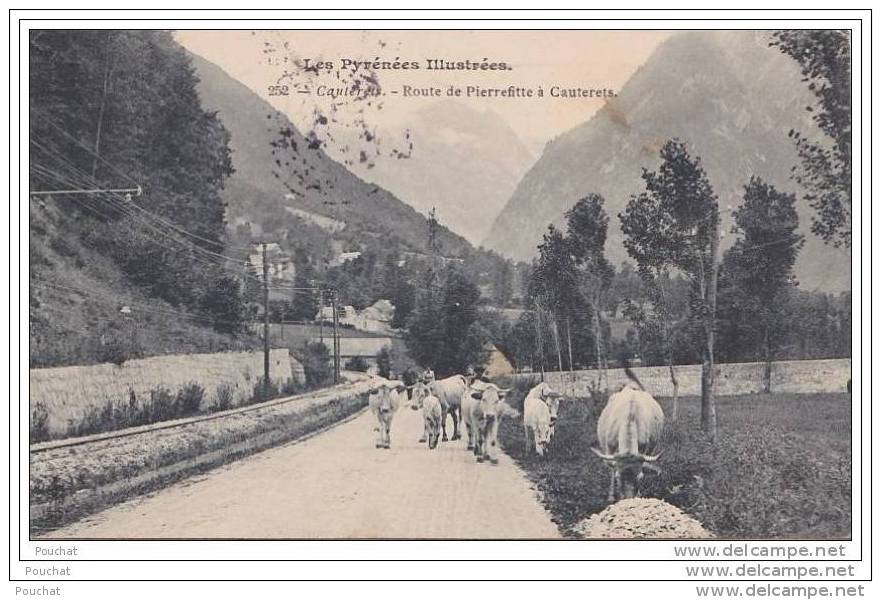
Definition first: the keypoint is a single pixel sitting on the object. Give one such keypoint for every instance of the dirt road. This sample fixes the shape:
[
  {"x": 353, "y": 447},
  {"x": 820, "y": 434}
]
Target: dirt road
[{"x": 337, "y": 485}]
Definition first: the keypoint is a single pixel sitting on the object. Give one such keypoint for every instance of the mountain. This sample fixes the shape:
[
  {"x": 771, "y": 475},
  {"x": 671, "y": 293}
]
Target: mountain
[
  {"x": 728, "y": 95},
  {"x": 465, "y": 163},
  {"x": 270, "y": 180}
]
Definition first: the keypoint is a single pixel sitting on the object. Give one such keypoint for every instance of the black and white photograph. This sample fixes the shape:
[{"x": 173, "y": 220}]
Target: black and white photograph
[{"x": 442, "y": 284}]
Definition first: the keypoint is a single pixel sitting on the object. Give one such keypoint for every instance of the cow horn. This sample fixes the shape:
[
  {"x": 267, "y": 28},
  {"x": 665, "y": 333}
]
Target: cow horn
[
  {"x": 601, "y": 455},
  {"x": 651, "y": 459}
]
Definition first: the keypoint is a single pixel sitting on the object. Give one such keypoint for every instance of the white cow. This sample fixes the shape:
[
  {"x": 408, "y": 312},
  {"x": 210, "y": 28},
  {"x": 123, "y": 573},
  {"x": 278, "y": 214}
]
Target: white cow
[
  {"x": 467, "y": 404},
  {"x": 449, "y": 391},
  {"x": 384, "y": 401},
  {"x": 628, "y": 432},
  {"x": 483, "y": 417},
  {"x": 432, "y": 413},
  {"x": 540, "y": 410}
]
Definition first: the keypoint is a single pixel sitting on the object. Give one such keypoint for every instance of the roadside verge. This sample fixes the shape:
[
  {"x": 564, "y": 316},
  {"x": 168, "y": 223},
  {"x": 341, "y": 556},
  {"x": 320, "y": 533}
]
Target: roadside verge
[{"x": 81, "y": 477}]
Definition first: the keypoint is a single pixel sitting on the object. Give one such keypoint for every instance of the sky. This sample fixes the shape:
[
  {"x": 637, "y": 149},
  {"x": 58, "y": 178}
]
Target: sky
[{"x": 567, "y": 59}]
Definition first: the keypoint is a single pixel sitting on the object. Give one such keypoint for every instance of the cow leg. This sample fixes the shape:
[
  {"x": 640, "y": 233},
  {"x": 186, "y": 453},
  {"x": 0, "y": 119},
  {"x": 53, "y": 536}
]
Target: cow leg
[
  {"x": 424, "y": 432},
  {"x": 492, "y": 450},
  {"x": 454, "y": 412},
  {"x": 378, "y": 432},
  {"x": 612, "y": 485},
  {"x": 444, "y": 411},
  {"x": 470, "y": 432}
]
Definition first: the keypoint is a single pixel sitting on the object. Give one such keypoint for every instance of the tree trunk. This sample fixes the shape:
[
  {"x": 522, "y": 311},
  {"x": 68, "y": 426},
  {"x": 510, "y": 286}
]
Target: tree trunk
[
  {"x": 556, "y": 333},
  {"x": 668, "y": 345},
  {"x": 675, "y": 383},
  {"x": 708, "y": 402},
  {"x": 767, "y": 376},
  {"x": 597, "y": 343},
  {"x": 539, "y": 340},
  {"x": 569, "y": 344}
]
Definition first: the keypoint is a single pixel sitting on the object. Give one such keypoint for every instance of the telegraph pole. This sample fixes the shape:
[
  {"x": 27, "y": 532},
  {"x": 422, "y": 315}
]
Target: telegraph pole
[
  {"x": 265, "y": 324},
  {"x": 321, "y": 315},
  {"x": 336, "y": 338}
]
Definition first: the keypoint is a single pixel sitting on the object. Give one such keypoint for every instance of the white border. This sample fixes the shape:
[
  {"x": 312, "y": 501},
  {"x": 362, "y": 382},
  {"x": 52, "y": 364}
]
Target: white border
[{"x": 338, "y": 550}]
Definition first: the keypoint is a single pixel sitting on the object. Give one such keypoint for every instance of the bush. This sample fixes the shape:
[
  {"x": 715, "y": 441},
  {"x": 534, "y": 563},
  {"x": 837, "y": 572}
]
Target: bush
[
  {"x": 39, "y": 425},
  {"x": 223, "y": 397},
  {"x": 384, "y": 362},
  {"x": 315, "y": 359},
  {"x": 189, "y": 399},
  {"x": 162, "y": 405},
  {"x": 262, "y": 394},
  {"x": 290, "y": 387},
  {"x": 115, "y": 347},
  {"x": 357, "y": 363}
]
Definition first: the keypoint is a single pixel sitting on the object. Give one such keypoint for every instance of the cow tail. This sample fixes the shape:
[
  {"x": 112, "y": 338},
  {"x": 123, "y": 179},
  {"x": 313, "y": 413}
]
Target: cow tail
[
  {"x": 632, "y": 377},
  {"x": 632, "y": 431}
]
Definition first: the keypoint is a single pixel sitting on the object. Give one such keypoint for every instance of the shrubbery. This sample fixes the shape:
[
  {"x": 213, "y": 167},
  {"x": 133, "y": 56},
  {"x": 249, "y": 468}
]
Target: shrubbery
[
  {"x": 162, "y": 406},
  {"x": 39, "y": 425},
  {"x": 315, "y": 358},
  {"x": 357, "y": 363},
  {"x": 779, "y": 468},
  {"x": 223, "y": 398}
]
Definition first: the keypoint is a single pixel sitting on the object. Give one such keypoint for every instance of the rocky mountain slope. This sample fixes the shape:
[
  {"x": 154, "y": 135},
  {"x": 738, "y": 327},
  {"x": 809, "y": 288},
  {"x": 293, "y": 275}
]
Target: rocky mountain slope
[
  {"x": 465, "y": 163},
  {"x": 728, "y": 95},
  {"x": 266, "y": 184}
]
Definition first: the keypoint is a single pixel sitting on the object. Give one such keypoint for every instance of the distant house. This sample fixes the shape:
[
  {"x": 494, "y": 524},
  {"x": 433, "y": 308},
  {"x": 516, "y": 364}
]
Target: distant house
[
  {"x": 281, "y": 264},
  {"x": 375, "y": 318},
  {"x": 345, "y": 257}
]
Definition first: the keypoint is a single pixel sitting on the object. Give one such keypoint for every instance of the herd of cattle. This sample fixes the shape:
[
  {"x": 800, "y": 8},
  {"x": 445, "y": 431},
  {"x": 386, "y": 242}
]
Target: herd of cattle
[{"x": 628, "y": 429}]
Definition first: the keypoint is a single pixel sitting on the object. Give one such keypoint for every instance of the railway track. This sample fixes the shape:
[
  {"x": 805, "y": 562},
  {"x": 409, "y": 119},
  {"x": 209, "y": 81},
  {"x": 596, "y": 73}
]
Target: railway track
[{"x": 353, "y": 380}]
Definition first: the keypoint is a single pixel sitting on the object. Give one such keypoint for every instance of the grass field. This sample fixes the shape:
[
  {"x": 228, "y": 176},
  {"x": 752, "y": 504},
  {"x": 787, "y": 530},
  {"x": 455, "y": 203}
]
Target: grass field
[{"x": 780, "y": 468}]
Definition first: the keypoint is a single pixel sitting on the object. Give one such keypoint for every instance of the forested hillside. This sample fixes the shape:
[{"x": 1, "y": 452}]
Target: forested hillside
[{"x": 127, "y": 220}]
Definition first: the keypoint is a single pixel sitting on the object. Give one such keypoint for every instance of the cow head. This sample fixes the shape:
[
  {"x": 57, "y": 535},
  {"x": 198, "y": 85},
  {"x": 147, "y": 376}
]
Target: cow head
[
  {"x": 385, "y": 393},
  {"x": 420, "y": 391},
  {"x": 552, "y": 399},
  {"x": 491, "y": 404},
  {"x": 630, "y": 469}
]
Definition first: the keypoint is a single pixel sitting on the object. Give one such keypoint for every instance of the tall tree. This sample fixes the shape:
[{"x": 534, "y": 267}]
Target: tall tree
[
  {"x": 824, "y": 56},
  {"x": 443, "y": 331},
  {"x": 588, "y": 224},
  {"x": 759, "y": 266},
  {"x": 553, "y": 288},
  {"x": 674, "y": 224}
]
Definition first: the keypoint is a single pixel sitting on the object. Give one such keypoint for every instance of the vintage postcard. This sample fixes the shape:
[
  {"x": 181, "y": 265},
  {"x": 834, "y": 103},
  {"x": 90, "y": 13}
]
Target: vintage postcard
[{"x": 440, "y": 284}]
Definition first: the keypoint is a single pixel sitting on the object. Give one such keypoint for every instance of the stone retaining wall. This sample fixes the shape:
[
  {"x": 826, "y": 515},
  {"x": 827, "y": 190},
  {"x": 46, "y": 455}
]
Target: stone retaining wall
[
  {"x": 67, "y": 392},
  {"x": 797, "y": 377}
]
